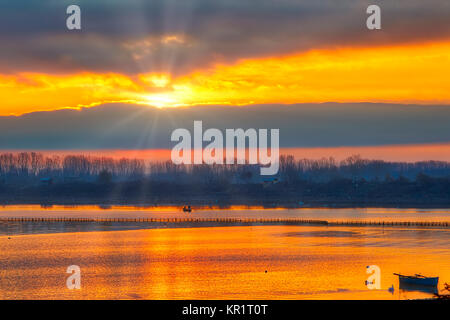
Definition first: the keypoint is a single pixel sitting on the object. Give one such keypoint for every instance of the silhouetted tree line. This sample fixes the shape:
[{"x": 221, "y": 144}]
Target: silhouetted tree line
[
  {"x": 74, "y": 179},
  {"x": 33, "y": 166},
  {"x": 354, "y": 167}
]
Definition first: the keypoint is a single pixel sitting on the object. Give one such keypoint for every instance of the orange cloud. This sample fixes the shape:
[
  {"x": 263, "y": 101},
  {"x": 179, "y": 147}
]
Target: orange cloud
[
  {"x": 29, "y": 92},
  {"x": 399, "y": 74},
  {"x": 403, "y": 74}
]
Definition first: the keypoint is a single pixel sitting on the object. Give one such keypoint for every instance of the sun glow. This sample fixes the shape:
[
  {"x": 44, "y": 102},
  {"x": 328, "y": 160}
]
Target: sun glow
[
  {"x": 162, "y": 100},
  {"x": 415, "y": 73},
  {"x": 159, "y": 80}
]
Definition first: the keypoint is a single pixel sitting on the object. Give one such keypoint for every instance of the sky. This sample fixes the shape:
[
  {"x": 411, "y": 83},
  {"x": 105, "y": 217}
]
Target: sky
[{"x": 139, "y": 69}]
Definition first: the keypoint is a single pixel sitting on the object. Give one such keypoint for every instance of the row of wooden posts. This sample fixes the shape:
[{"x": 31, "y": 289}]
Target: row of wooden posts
[{"x": 232, "y": 220}]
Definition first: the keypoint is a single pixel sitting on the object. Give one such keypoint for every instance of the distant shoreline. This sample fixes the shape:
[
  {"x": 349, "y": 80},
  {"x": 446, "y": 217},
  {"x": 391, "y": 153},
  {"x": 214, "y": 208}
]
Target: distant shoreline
[{"x": 211, "y": 204}]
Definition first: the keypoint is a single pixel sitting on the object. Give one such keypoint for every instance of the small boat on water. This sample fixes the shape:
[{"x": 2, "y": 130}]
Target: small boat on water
[
  {"x": 418, "y": 280},
  {"x": 187, "y": 209}
]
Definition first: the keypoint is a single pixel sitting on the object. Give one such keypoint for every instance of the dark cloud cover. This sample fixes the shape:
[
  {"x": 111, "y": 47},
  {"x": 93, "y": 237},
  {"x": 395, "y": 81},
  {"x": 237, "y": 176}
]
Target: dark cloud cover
[
  {"x": 119, "y": 126},
  {"x": 34, "y": 37}
]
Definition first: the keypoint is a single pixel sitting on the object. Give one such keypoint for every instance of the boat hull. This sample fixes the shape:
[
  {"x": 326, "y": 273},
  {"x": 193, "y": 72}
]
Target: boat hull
[{"x": 419, "y": 281}]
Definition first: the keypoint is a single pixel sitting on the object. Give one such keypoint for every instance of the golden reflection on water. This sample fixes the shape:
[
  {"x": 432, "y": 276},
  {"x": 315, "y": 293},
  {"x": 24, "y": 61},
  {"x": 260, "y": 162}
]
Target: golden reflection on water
[
  {"x": 302, "y": 262},
  {"x": 329, "y": 214}
]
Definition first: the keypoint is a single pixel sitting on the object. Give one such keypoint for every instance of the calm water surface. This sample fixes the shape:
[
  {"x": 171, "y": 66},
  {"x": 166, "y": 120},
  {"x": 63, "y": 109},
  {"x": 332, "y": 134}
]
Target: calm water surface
[
  {"x": 213, "y": 263},
  {"x": 251, "y": 262},
  {"x": 331, "y": 214}
]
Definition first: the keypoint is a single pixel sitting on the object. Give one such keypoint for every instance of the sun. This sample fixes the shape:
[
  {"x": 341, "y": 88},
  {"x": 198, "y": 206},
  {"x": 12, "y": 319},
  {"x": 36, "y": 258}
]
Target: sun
[{"x": 162, "y": 100}]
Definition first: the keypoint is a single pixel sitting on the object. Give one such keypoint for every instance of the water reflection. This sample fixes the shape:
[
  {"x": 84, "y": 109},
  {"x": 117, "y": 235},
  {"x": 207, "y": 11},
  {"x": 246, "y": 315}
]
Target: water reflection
[
  {"x": 251, "y": 262},
  {"x": 329, "y": 214},
  {"x": 405, "y": 288}
]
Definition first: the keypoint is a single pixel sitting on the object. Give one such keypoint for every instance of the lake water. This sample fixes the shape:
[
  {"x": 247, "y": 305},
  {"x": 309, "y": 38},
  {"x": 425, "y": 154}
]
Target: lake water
[
  {"x": 238, "y": 262},
  {"x": 330, "y": 214}
]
